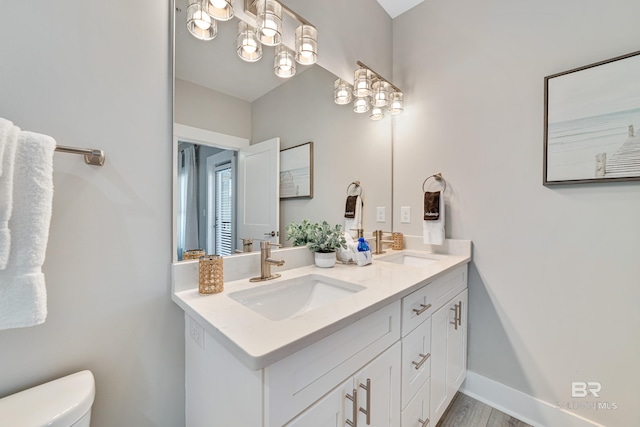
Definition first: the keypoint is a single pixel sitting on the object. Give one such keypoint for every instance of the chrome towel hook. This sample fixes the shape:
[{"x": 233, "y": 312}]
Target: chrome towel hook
[{"x": 438, "y": 177}]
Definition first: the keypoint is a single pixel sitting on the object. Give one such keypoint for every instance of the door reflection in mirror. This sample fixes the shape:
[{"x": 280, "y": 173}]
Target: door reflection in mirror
[{"x": 206, "y": 199}]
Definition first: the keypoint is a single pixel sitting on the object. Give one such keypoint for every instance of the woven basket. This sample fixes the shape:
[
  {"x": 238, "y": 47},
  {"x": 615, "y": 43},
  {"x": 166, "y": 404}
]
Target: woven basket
[
  {"x": 192, "y": 254},
  {"x": 398, "y": 243},
  {"x": 211, "y": 279}
]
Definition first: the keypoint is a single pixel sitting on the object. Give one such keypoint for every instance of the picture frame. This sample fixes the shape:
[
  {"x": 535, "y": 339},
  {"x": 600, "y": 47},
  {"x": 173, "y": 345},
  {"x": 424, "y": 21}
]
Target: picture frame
[
  {"x": 592, "y": 123},
  {"x": 296, "y": 171}
]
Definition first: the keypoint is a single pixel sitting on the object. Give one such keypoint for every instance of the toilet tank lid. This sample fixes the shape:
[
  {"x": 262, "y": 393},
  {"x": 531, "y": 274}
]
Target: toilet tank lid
[{"x": 61, "y": 402}]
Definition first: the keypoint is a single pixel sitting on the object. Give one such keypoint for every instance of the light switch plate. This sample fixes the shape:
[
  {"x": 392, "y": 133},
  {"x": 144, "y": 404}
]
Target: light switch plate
[
  {"x": 405, "y": 214},
  {"x": 380, "y": 214}
]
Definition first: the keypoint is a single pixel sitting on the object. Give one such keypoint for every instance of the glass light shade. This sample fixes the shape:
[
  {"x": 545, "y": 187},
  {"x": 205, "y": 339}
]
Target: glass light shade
[
  {"x": 306, "y": 44},
  {"x": 376, "y": 113},
  {"x": 222, "y": 10},
  {"x": 362, "y": 82},
  {"x": 269, "y": 22},
  {"x": 362, "y": 104},
  {"x": 248, "y": 46},
  {"x": 342, "y": 92},
  {"x": 396, "y": 103},
  {"x": 380, "y": 93},
  {"x": 199, "y": 22},
  {"x": 284, "y": 64}
]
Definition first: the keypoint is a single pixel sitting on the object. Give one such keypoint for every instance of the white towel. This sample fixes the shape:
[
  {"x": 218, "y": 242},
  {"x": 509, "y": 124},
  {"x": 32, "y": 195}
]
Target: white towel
[
  {"x": 355, "y": 223},
  {"x": 433, "y": 231},
  {"x": 23, "y": 297},
  {"x": 8, "y": 140}
]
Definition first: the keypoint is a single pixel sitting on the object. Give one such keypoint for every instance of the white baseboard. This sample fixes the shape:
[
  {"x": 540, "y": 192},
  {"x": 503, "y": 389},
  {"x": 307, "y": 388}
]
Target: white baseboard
[{"x": 520, "y": 405}]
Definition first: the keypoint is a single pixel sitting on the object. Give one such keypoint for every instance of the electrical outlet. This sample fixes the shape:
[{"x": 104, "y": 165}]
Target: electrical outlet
[
  {"x": 380, "y": 214},
  {"x": 197, "y": 332},
  {"x": 405, "y": 214}
]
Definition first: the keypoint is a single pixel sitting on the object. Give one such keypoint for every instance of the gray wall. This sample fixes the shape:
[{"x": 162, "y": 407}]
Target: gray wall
[
  {"x": 347, "y": 147},
  {"x": 554, "y": 281},
  {"x": 91, "y": 75},
  {"x": 203, "y": 108}
]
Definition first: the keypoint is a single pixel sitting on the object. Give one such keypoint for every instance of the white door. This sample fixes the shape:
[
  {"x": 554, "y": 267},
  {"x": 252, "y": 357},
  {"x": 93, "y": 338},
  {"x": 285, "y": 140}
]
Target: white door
[
  {"x": 329, "y": 411},
  {"x": 220, "y": 203},
  {"x": 457, "y": 344},
  {"x": 258, "y": 213}
]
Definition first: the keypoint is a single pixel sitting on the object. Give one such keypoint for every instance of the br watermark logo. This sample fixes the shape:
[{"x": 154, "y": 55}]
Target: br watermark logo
[
  {"x": 589, "y": 389},
  {"x": 580, "y": 389}
]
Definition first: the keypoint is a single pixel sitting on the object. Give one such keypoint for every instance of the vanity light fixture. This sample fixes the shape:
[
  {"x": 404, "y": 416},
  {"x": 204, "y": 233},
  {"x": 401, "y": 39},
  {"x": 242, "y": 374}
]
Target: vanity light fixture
[
  {"x": 361, "y": 104},
  {"x": 342, "y": 92},
  {"x": 248, "y": 46},
  {"x": 202, "y": 16},
  {"x": 269, "y": 22},
  {"x": 199, "y": 22},
  {"x": 284, "y": 64},
  {"x": 396, "y": 103},
  {"x": 372, "y": 92},
  {"x": 306, "y": 44},
  {"x": 376, "y": 113}
]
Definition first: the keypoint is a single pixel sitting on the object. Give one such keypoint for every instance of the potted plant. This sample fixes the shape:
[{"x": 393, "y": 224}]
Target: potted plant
[{"x": 322, "y": 239}]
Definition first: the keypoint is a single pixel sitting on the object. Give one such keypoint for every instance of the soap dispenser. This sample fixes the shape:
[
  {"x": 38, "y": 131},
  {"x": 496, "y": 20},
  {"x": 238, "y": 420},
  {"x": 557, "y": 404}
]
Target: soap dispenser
[{"x": 363, "y": 256}]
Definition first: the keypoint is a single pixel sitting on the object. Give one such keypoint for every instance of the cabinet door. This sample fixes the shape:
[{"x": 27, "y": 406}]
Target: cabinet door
[
  {"x": 439, "y": 328},
  {"x": 448, "y": 353},
  {"x": 457, "y": 345},
  {"x": 378, "y": 386},
  {"x": 416, "y": 414},
  {"x": 331, "y": 411}
]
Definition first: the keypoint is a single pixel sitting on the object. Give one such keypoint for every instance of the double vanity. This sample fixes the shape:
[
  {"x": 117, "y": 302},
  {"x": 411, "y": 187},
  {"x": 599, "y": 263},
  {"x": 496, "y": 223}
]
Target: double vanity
[{"x": 380, "y": 345}]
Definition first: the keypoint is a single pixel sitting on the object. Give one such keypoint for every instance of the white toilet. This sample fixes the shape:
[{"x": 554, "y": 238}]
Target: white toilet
[{"x": 65, "y": 402}]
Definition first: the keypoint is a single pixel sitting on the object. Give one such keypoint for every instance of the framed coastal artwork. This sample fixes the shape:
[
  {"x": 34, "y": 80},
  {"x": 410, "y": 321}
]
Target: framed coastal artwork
[
  {"x": 592, "y": 123},
  {"x": 296, "y": 171}
]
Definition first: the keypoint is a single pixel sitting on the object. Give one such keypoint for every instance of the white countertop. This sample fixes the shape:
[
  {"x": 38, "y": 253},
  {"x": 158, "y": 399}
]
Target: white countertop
[{"x": 259, "y": 342}]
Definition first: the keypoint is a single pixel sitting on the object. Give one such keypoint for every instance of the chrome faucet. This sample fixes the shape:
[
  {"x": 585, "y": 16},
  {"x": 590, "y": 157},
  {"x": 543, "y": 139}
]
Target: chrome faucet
[
  {"x": 266, "y": 262},
  {"x": 377, "y": 236}
]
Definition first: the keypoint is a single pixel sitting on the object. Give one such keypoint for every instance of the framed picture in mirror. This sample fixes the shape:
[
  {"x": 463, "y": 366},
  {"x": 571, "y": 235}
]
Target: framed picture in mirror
[{"x": 296, "y": 171}]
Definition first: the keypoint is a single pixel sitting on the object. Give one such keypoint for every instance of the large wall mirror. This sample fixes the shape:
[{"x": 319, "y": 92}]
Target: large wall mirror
[{"x": 231, "y": 119}]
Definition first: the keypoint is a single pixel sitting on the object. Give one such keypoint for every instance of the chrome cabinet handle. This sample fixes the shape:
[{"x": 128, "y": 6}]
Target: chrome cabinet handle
[
  {"x": 354, "y": 415},
  {"x": 421, "y": 310},
  {"x": 421, "y": 362},
  {"x": 460, "y": 314},
  {"x": 424, "y": 423},
  {"x": 367, "y": 411},
  {"x": 455, "y": 316}
]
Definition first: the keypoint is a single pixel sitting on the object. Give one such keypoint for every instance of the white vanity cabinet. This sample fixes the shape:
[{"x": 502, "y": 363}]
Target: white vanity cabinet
[
  {"x": 399, "y": 366},
  {"x": 221, "y": 391},
  {"x": 433, "y": 348}
]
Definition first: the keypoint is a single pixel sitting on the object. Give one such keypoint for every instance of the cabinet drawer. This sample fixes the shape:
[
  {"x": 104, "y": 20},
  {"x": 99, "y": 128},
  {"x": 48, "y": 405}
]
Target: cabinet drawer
[
  {"x": 297, "y": 381},
  {"x": 417, "y": 413},
  {"x": 416, "y": 360},
  {"x": 419, "y": 305}
]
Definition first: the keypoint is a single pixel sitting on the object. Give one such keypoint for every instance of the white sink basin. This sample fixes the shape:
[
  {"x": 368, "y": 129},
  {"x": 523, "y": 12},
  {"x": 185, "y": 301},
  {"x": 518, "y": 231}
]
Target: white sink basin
[
  {"x": 288, "y": 298},
  {"x": 414, "y": 259}
]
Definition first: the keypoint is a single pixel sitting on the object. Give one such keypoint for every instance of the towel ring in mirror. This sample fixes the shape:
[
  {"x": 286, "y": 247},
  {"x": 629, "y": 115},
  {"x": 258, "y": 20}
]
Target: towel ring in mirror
[
  {"x": 437, "y": 177},
  {"x": 356, "y": 187}
]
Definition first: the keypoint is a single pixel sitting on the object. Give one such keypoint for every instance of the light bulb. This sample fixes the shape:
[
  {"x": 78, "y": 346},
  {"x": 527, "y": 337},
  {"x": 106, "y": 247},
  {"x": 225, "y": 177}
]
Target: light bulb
[
  {"x": 218, "y": 4},
  {"x": 270, "y": 28},
  {"x": 249, "y": 46},
  {"x": 202, "y": 20}
]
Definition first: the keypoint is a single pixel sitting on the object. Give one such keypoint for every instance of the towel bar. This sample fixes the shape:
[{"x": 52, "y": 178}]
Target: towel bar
[{"x": 92, "y": 156}]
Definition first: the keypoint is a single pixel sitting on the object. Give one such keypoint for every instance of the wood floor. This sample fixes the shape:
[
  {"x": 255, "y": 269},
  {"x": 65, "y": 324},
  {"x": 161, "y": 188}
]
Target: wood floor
[{"x": 467, "y": 412}]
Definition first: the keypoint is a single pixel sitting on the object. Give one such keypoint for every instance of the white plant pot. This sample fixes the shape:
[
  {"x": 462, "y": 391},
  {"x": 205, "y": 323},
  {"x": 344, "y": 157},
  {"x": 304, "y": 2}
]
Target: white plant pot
[{"x": 325, "y": 259}]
